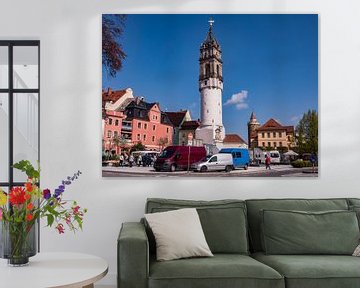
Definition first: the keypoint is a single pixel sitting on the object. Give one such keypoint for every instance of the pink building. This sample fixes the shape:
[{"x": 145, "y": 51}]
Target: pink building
[
  {"x": 130, "y": 120},
  {"x": 112, "y": 126},
  {"x": 150, "y": 125}
]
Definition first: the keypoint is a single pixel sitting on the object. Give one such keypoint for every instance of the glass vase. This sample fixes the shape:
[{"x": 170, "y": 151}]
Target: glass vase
[{"x": 18, "y": 242}]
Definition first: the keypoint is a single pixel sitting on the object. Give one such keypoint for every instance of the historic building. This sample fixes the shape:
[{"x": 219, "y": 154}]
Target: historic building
[
  {"x": 177, "y": 119},
  {"x": 211, "y": 130},
  {"x": 128, "y": 120},
  {"x": 271, "y": 135},
  {"x": 187, "y": 132},
  {"x": 234, "y": 141}
]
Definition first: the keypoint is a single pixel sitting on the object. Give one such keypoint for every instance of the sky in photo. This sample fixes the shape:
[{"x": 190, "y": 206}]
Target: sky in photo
[{"x": 270, "y": 64}]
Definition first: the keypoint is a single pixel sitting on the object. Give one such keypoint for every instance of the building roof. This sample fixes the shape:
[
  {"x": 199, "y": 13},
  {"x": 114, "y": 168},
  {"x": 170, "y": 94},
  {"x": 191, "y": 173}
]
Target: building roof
[
  {"x": 112, "y": 96},
  {"x": 233, "y": 138},
  {"x": 190, "y": 125},
  {"x": 272, "y": 125},
  {"x": 253, "y": 116},
  {"x": 176, "y": 118}
]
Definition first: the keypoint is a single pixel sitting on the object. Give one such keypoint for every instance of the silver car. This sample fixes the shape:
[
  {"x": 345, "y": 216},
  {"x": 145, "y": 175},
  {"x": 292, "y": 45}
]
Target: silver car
[{"x": 216, "y": 162}]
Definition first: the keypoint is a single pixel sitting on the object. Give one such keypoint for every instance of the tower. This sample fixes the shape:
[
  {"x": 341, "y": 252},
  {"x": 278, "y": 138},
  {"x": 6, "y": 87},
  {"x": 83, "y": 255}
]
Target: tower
[
  {"x": 211, "y": 130},
  {"x": 253, "y": 124}
]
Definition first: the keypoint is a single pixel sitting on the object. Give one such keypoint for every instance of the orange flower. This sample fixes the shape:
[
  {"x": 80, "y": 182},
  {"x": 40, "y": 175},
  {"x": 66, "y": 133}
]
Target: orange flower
[
  {"x": 29, "y": 186},
  {"x": 29, "y": 206},
  {"x": 29, "y": 217},
  {"x": 27, "y": 196}
]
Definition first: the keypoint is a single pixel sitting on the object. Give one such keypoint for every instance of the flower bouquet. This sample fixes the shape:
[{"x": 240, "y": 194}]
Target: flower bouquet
[{"x": 21, "y": 208}]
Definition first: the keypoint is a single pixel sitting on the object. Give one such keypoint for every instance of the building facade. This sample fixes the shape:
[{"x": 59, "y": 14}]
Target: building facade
[
  {"x": 211, "y": 130},
  {"x": 128, "y": 120},
  {"x": 271, "y": 135},
  {"x": 177, "y": 119}
]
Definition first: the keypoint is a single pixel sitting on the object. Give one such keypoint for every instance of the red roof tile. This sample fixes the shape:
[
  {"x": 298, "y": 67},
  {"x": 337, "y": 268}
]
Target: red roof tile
[
  {"x": 233, "y": 138},
  {"x": 112, "y": 96}
]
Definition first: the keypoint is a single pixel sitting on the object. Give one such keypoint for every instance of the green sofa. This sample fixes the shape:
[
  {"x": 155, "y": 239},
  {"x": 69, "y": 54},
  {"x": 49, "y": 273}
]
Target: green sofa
[{"x": 234, "y": 232}]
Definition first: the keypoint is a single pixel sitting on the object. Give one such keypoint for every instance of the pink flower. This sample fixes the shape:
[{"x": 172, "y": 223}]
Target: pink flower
[
  {"x": 60, "y": 228},
  {"x": 1, "y": 214}
]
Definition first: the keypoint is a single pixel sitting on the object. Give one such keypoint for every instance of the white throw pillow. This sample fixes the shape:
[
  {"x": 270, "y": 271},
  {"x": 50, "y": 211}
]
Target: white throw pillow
[{"x": 178, "y": 234}]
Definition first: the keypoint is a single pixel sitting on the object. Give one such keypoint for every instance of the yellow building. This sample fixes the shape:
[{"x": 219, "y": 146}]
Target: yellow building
[{"x": 270, "y": 135}]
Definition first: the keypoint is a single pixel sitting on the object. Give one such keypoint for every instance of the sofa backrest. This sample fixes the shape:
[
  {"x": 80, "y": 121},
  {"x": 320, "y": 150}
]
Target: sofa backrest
[
  {"x": 256, "y": 205},
  {"x": 223, "y": 221}
]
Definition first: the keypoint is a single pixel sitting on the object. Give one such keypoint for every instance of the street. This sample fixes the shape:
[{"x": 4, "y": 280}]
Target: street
[{"x": 276, "y": 171}]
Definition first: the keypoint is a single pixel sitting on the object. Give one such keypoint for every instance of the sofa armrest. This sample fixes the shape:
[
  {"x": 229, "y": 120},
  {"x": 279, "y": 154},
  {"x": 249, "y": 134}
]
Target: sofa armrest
[{"x": 133, "y": 256}]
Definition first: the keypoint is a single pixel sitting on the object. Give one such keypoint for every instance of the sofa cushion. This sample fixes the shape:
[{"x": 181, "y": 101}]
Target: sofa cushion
[
  {"x": 178, "y": 234},
  {"x": 297, "y": 232},
  {"x": 313, "y": 271},
  {"x": 223, "y": 221},
  {"x": 222, "y": 270},
  {"x": 254, "y": 217}
]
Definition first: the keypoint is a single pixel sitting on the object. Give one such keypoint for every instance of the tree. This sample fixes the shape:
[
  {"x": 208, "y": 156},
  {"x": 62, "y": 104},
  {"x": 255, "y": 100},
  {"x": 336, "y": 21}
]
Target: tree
[
  {"x": 112, "y": 52},
  {"x": 137, "y": 147},
  {"x": 307, "y": 133},
  {"x": 119, "y": 141}
]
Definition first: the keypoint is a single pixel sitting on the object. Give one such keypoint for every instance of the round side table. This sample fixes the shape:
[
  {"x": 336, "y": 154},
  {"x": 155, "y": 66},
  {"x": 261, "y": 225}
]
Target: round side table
[{"x": 50, "y": 270}]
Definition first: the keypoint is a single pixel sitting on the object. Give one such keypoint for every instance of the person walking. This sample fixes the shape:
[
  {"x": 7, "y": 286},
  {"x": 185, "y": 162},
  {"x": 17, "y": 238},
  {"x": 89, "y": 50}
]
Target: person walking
[
  {"x": 267, "y": 162},
  {"x": 121, "y": 158},
  {"x": 131, "y": 160}
]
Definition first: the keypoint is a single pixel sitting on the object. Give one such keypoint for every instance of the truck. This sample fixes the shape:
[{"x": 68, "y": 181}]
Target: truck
[
  {"x": 241, "y": 158},
  {"x": 174, "y": 158}
]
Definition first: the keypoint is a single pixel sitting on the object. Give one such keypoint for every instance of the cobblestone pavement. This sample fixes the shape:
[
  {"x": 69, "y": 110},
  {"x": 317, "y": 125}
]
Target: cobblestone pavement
[{"x": 276, "y": 171}]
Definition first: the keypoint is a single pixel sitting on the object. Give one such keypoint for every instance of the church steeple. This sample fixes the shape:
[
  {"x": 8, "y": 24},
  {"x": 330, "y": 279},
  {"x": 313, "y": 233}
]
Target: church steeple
[
  {"x": 211, "y": 130},
  {"x": 210, "y": 61}
]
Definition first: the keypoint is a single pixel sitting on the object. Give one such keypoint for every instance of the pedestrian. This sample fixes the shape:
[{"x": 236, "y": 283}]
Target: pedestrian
[
  {"x": 267, "y": 162},
  {"x": 121, "y": 158},
  {"x": 131, "y": 160},
  {"x": 313, "y": 160}
]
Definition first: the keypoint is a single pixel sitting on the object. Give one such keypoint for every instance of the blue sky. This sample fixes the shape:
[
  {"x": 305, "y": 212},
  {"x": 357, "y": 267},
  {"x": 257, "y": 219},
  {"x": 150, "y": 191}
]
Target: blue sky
[{"x": 274, "y": 58}]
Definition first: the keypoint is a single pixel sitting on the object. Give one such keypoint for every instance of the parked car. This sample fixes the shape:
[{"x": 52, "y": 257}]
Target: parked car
[
  {"x": 274, "y": 156},
  {"x": 217, "y": 162},
  {"x": 175, "y": 158},
  {"x": 257, "y": 156},
  {"x": 241, "y": 158}
]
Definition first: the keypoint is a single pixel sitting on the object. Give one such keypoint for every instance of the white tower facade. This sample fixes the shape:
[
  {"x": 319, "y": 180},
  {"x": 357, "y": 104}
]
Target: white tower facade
[{"x": 211, "y": 130}]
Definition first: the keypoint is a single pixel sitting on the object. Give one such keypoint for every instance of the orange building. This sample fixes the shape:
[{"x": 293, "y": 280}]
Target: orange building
[{"x": 112, "y": 125}]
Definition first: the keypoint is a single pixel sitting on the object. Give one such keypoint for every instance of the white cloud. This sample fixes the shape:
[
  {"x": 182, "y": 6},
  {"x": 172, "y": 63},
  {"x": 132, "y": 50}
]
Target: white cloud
[{"x": 239, "y": 100}]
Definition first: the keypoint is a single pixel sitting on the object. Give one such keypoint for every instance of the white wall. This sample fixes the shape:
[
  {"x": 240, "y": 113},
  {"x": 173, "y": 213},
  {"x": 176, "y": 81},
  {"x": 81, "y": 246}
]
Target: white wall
[{"x": 70, "y": 34}]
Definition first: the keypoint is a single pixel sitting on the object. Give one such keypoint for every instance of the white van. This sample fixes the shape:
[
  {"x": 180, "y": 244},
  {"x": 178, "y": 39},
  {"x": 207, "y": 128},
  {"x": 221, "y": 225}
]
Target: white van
[
  {"x": 216, "y": 162},
  {"x": 274, "y": 156}
]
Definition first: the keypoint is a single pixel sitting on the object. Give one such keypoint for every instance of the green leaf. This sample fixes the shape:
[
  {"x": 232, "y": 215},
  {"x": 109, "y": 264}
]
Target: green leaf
[{"x": 50, "y": 219}]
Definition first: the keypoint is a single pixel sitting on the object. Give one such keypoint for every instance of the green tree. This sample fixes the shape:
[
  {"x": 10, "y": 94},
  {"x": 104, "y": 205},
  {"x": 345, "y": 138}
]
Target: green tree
[
  {"x": 112, "y": 52},
  {"x": 307, "y": 133},
  {"x": 137, "y": 147}
]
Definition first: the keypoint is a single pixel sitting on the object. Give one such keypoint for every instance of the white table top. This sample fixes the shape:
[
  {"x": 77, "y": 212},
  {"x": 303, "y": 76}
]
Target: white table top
[{"x": 45, "y": 270}]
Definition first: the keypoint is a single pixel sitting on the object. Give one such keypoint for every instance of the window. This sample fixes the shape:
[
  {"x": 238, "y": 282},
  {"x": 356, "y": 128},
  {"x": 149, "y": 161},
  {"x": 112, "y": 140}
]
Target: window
[
  {"x": 139, "y": 125},
  {"x": 153, "y": 139},
  {"x": 237, "y": 154},
  {"x": 109, "y": 134},
  {"x": 213, "y": 159},
  {"x": 263, "y": 135},
  {"x": 280, "y": 144},
  {"x": 19, "y": 108},
  {"x": 268, "y": 134},
  {"x": 110, "y": 121},
  {"x": 275, "y": 144},
  {"x": 269, "y": 144},
  {"x": 144, "y": 137},
  {"x": 263, "y": 144},
  {"x": 116, "y": 122},
  {"x": 274, "y": 134},
  {"x": 138, "y": 137},
  {"x": 115, "y": 134},
  {"x": 167, "y": 129},
  {"x": 154, "y": 127},
  {"x": 145, "y": 126}
]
